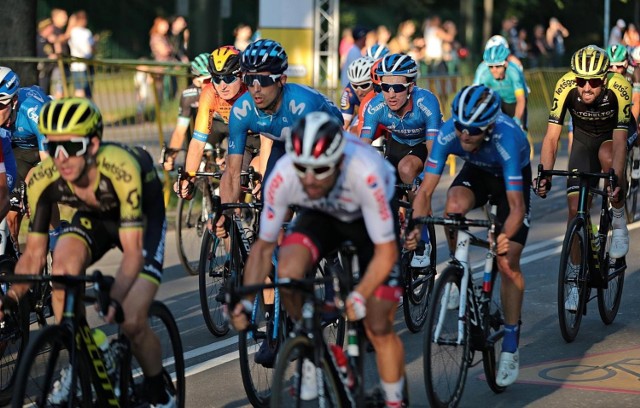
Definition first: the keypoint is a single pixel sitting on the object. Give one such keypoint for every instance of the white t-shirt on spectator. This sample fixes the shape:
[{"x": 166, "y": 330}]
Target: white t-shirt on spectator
[{"x": 81, "y": 46}]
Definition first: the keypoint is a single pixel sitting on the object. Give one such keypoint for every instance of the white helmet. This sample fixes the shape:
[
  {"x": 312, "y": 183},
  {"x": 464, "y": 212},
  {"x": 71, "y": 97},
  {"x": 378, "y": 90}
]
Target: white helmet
[
  {"x": 496, "y": 40},
  {"x": 316, "y": 140},
  {"x": 360, "y": 70},
  {"x": 635, "y": 54},
  {"x": 9, "y": 84}
]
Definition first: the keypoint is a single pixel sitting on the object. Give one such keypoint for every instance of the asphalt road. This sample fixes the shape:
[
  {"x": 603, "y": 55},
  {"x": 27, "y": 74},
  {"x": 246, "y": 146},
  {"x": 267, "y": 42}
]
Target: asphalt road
[{"x": 600, "y": 368}]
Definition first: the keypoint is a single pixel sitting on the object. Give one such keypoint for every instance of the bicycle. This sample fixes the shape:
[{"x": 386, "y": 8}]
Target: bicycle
[
  {"x": 70, "y": 347},
  {"x": 418, "y": 282},
  {"x": 631, "y": 188},
  {"x": 465, "y": 316},
  {"x": 589, "y": 248}
]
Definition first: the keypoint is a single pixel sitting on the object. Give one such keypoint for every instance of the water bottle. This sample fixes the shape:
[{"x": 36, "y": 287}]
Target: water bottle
[
  {"x": 352, "y": 343},
  {"x": 486, "y": 277},
  {"x": 342, "y": 363},
  {"x": 103, "y": 344}
]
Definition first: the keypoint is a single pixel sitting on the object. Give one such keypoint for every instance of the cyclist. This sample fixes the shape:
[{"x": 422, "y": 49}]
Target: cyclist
[
  {"x": 216, "y": 101},
  {"x": 412, "y": 115},
  {"x": 500, "y": 40},
  {"x": 118, "y": 197},
  {"x": 496, "y": 154},
  {"x": 21, "y": 107},
  {"x": 359, "y": 86},
  {"x": 600, "y": 108},
  {"x": 619, "y": 63},
  {"x": 377, "y": 51},
  {"x": 375, "y": 80},
  {"x": 507, "y": 79},
  {"x": 343, "y": 188}
]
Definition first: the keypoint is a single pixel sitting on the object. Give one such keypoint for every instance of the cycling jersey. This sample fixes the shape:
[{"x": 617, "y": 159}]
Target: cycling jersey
[
  {"x": 363, "y": 189},
  {"x": 610, "y": 111},
  {"x": 212, "y": 107},
  {"x": 7, "y": 161},
  {"x": 363, "y": 107},
  {"x": 188, "y": 107},
  {"x": 128, "y": 192},
  {"x": 24, "y": 128},
  {"x": 504, "y": 155},
  {"x": 513, "y": 83},
  {"x": 348, "y": 102},
  {"x": 419, "y": 124}
]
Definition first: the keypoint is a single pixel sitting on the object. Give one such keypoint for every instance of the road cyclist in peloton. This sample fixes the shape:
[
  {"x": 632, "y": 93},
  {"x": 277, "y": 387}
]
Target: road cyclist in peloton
[
  {"x": 599, "y": 103},
  {"x": 344, "y": 189},
  {"x": 118, "y": 196},
  {"x": 413, "y": 117},
  {"x": 496, "y": 154},
  {"x": 360, "y": 85}
]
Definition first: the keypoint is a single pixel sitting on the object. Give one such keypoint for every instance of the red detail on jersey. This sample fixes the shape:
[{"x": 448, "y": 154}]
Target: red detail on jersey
[
  {"x": 273, "y": 187},
  {"x": 383, "y": 206},
  {"x": 389, "y": 293},
  {"x": 372, "y": 181},
  {"x": 297, "y": 238}
]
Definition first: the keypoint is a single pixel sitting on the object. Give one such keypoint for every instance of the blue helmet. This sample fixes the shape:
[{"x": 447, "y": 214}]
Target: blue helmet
[
  {"x": 377, "y": 51},
  {"x": 496, "y": 55},
  {"x": 264, "y": 55},
  {"x": 476, "y": 106},
  {"x": 9, "y": 84},
  {"x": 398, "y": 64}
]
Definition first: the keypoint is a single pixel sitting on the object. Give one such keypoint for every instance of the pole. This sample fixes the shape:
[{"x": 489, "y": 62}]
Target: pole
[{"x": 607, "y": 12}]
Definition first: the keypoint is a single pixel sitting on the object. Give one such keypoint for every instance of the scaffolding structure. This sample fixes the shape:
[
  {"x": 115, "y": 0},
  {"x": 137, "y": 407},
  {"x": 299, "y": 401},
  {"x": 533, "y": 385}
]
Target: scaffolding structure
[{"x": 326, "y": 58}]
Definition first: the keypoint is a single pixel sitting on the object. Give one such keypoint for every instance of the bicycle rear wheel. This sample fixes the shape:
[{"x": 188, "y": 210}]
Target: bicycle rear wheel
[
  {"x": 631, "y": 192},
  {"x": 213, "y": 273},
  {"x": 191, "y": 219},
  {"x": 418, "y": 286},
  {"x": 289, "y": 389},
  {"x": 494, "y": 331},
  {"x": 45, "y": 362},
  {"x": 609, "y": 299},
  {"x": 446, "y": 358},
  {"x": 572, "y": 279}
]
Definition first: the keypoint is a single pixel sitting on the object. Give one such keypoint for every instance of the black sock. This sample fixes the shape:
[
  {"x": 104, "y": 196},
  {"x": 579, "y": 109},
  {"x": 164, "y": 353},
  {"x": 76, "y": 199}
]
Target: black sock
[{"x": 155, "y": 388}]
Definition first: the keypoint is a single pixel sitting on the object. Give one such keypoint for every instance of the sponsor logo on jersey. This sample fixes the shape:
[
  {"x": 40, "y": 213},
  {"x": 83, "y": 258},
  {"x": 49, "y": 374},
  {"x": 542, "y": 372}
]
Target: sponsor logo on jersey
[
  {"x": 423, "y": 107},
  {"x": 622, "y": 89},
  {"x": 503, "y": 152},
  {"x": 242, "y": 111},
  {"x": 344, "y": 99},
  {"x": 275, "y": 184},
  {"x": 296, "y": 108},
  {"x": 444, "y": 139},
  {"x": 270, "y": 213},
  {"x": 372, "y": 181},
  {"x": 566, "y": 83},
  {"x": 371, "y": 109},
  {"x": 119, "y": 172},
  {"x": 32, "y": 113}
]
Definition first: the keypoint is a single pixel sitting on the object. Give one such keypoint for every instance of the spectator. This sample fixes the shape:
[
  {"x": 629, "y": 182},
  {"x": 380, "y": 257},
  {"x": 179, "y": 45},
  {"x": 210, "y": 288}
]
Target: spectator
[
  {"x": 631, "y": 37},
  {"x": 434, "y": 36},
  {"x": 556, "y": 33},
  {"x": 346, "y": 42},
  {"x": 162, "y": 51},
  {"x": 242, "y": 34},
  {"x": 359, "y": 34},
  {"x": 60, "y": 19},
  {"x": 509, "y": 31},
  {"x": 539, "y": 51},
  {"x": 81, "y": 44},
  {"x": 179, "y": 38},
  {"x": 615, "y": 36},
  {"x": 450, "y": 47},
  {"x": 401, "y": 43},
  {"x": 522, "y": 47},
  {"x": 383, "y": 34},
  {"x": 44, "y": 49}
]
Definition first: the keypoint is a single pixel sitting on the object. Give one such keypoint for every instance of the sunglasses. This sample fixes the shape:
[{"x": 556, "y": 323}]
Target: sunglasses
[
  {"x": 363, "y": 86},
  {"x": 496, "y": 66},
  {"x": 4, "y": 106},
  {"x": 76, "y": 146},
  {"x": 593, "y": 82},
  {"x": 397, "y": 88},
  {"x": 262, "y": 80},
  {"x": 320, "y": 173},
  {"x": 227, "y": 79},
  {"x": 617, "y": 66},
  {"x": 470, "y": 130}
]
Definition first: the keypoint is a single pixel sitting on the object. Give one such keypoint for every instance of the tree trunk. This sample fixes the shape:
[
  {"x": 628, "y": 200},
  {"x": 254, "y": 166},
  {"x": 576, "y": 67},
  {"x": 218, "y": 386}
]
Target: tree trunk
[{"x": 18, "y": 37}]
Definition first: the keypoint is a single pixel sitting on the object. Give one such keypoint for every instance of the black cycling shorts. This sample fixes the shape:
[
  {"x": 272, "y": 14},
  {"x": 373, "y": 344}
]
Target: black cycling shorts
[
  {"x": 396, "y": 151},
  {"x": 484, "y": 184},
  {"x": 26, "y": 159}
]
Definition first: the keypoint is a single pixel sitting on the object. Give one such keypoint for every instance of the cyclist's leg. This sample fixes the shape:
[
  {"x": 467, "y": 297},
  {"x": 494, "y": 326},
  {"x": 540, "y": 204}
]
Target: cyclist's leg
[{"x": 465, "y": 193}]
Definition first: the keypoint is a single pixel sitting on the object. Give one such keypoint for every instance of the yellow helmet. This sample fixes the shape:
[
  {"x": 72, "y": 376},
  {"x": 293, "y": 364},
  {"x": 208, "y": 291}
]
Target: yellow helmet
[
  {"x": 70, "y": 116},
  {"x": 225, "y": 61},
  {"x": 590, "y": 62}
]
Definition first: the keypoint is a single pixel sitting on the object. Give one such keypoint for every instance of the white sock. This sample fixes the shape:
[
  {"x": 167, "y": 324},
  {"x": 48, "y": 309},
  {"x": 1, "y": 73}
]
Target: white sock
[
  {"x": 393, "y": 392},
  {"x": 636, "y": 152},
  {"x": 618, "y": 221}
]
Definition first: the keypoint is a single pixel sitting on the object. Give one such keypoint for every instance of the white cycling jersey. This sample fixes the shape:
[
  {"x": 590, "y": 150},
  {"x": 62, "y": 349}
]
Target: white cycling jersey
[{"x": 363, "y": 189}]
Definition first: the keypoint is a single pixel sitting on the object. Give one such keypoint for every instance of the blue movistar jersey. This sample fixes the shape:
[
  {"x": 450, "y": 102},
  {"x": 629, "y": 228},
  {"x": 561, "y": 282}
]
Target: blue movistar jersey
[
  {"x": 9, "y": 160},
  {"x": 297, "y": 101},
  {"x": 418, "y": 125},
  {"x": 504, "y": 155},
  {"x": 513, "y": 81},
  {"x": 24, "y": 130}
]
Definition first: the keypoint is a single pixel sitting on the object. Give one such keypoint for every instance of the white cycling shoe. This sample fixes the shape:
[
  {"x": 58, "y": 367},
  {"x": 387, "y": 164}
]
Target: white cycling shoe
[
  {"x": 422, "y": 260},
  {"x": 309, "y": 385},
  {"x": 454, "y": 298},
  {"x": 508, "y": 369},
  {"x": 571, "y": 302},
  {"x": 619, "y": 243}
]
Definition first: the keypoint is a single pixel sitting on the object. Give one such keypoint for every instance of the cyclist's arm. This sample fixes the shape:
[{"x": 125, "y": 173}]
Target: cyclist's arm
[
  {"x": 549, "y": 149},
  {"x": 194, "y": 154},
  {"x": 4, "y": 193},
  {"x": 32, "y": 260},
  {"x": 259, "y": 263},
  {"x": 265, "y": 151},
  {"x": 131, "y": 264},
  {"x": 422, "y": 201},
  {"x": 516, "y": 213},
  {"x": 384, "y": 257},
  {"x": 521, "y": 104},
  {"x": 619, "y": 148}
]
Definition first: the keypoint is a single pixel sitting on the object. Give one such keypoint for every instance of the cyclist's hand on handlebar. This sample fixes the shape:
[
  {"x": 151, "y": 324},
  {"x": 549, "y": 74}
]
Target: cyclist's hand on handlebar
[
  {"x": 168, "y": 163},
  {"x": 221, "y": 229},
  {"x": 614, "y": 196},
  {"x": 240, "y": 315},
  {"x": 541, "y": 186},
  {"x": 185, "y": 190},
  {"x": 7, "y": 302},
  {"x": 411, "y": 239},
  {"x": 356, "y": 306},
  {"x": 502, "y": 248}
]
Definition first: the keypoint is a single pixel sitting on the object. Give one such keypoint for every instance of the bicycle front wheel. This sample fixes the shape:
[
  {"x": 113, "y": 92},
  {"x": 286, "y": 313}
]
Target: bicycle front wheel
[
  {"x": 45, "y": 366},
  {"x": 609, "y": 299},
  {"x": 446, "y": 347},
  {"x": 213, "y": 273},
  {"x": 494, "y": 332},
  {"x": 191, "y": 219},
  {"x": 295, "y": 380},
  {"x": 572, "y": 279},
  {"x": 418, "y": 285}
]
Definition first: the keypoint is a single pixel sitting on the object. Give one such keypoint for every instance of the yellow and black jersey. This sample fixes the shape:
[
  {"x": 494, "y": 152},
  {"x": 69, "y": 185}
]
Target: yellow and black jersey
[
  {"x": 610, "y": 111},
  {"x": 127, "y": 184}
]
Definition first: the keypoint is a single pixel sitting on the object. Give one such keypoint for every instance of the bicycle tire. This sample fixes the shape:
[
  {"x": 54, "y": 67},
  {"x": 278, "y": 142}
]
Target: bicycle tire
[
  {"x": 445, "y": 358},
  {"x": 334, "y": 325},
  {"x": 631, "y": 199},
  {"x": 609, "y": 299},
  {"x": 494, "y": 331},
  {"x": 287, "y": 383},
  {"x": 41, "y": 365},
  {"x": 213, "y": 273},
  {"x": 191, "y": 221},
  {"x": 14, "y": 335},
  {"x": 569, "y": 321},
  {"x": 418, "y": 286}
]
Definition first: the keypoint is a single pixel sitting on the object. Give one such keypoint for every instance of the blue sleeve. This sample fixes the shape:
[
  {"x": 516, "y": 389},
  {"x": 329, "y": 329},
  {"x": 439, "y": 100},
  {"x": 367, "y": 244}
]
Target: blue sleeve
[
  {"x": 371, "y": 115},
  {"x": 511, "y": 166},
  {"x": 239, "y": 122},
  {"x": 437, "y": 159},
  {"x": 434, "y": 121}
]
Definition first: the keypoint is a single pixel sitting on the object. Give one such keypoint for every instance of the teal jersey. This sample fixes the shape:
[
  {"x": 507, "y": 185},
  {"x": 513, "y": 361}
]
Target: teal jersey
[{"x": 507, "y": 87}]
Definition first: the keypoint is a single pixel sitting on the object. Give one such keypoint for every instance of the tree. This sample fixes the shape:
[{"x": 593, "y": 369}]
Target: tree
[{"x": 18, "y": 36}]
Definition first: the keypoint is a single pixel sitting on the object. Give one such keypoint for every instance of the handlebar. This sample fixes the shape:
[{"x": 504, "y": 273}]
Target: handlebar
[
  {"x": 456, "y": 221},
  {"x": 610, "y": 175}
]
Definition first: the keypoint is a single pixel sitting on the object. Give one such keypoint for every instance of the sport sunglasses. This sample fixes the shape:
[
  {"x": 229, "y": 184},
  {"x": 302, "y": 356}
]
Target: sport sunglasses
[
  {"x": 593, "y": 82},
  {"x": 262, "y": 80},
  {"x": 227, "y": 79},
  {"x": 76, "y": 146},
  {"x": 363, "y": 86},
  {"x": 320, "y": 173},
  {"x": 470, "y": 130},
  {"x": 397, "y": 88}
]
